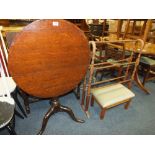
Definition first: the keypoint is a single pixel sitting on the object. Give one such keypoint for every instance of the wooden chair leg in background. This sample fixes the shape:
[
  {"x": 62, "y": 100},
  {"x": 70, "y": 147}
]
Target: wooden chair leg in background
[
  {"x": 26, "y": 101},
  {"x": 77, "y": 91},
  {"x": 14, "y": 95},
  {"x": 102, "y": 113},
  {"x": 146, "y": 74},
  {"x": 126, "y": 106}
]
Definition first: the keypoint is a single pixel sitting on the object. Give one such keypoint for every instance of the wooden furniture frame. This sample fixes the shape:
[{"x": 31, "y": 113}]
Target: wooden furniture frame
[
  {"x": 27, "y": 98},
  {"x": 56, "y": 46},
  {"x": 128, "y": 77},
  {"x": 144, "y": 35}
]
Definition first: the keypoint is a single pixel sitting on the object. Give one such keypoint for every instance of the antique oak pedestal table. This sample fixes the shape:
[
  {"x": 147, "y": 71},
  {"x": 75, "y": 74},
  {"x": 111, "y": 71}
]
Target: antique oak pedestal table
[{"x": 47, "y": 59}]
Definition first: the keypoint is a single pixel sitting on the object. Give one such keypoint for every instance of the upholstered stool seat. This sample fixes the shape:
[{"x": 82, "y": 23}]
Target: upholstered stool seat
[{"x": 110, "y": 96}]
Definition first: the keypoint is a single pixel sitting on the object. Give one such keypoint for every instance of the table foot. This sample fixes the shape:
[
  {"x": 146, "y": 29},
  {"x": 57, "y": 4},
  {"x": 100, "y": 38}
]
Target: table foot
[{"x": 57, "y": 107}]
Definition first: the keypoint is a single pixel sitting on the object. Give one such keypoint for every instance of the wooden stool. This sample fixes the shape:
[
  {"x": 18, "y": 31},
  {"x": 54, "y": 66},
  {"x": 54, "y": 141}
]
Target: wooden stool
[{"x": 110, "y": 96}]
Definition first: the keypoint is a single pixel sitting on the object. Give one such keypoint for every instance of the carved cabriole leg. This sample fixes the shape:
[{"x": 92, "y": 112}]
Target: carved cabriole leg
[
  {"x": 102, "y": 113},
  {"x": 57, "y": 107},
  {"x": 126, "y": 106},
  {"x": 51, "y": 111}
]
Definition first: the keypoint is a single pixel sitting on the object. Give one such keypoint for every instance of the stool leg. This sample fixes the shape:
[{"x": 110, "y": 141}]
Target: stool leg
[
  {"x": 92, "y": 101},
  {"x": 102, "y": 113},
  {"x": 126, "y": 106}
]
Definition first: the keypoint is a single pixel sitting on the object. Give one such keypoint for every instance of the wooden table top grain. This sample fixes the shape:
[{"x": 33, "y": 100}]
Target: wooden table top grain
[{"x": 48, "y": 58}]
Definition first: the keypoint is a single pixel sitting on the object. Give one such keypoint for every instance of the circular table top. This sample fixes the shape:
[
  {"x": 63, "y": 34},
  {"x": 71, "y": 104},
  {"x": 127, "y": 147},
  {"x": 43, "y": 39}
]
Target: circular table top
[{"x": 48, "y": 58}]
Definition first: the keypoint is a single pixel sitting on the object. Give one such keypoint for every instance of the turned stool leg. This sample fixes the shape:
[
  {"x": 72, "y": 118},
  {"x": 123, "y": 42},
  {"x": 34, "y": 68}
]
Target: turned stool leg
[
  {"x": 92, "y": 101},
  {"x": 102, "y": 113},
  {"x": 126, "y": 106}
]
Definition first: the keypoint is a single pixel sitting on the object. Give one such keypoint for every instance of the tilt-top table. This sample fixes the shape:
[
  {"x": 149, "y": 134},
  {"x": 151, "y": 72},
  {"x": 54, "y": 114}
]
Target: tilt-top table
[{"x": 47, "y": 59}]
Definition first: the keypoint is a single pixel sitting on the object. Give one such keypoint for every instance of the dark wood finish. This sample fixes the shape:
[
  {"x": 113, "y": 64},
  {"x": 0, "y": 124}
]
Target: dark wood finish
[
  {"x": 48, "y": 61},
  {"x": 92, "y": 101},
  {"x": 102, "y": 113},
  {"x": 14, "y": 94},
  {"x": 57, "y": 107},
  {"x": 148, "y": 72},
  {"x": 4, "y": 22},
  {"x": 126, "y": 106}
]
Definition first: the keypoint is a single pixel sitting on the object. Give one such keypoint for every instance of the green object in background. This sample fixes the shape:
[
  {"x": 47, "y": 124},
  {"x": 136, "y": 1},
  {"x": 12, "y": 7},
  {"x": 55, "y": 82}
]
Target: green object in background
[{"x": 147, "y": 60}]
